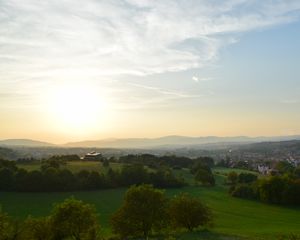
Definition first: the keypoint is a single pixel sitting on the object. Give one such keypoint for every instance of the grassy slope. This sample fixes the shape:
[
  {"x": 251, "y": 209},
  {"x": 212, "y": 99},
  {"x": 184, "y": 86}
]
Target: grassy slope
[{"x": 232, "y": 216}]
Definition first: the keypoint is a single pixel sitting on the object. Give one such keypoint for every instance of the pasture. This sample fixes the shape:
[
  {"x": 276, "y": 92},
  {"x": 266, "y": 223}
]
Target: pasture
[
  {"x": 73, "y": 166},
  {"x": 234, "y": 218}
]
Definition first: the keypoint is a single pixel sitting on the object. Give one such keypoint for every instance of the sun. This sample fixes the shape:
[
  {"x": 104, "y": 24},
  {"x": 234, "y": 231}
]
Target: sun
[{"x": 75, "y": 106}]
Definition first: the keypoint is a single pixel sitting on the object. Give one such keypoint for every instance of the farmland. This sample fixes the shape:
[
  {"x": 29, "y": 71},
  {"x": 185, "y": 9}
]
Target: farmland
[
  {"x": 234, "y": 218},
  {"x": 73, "y": 166}
]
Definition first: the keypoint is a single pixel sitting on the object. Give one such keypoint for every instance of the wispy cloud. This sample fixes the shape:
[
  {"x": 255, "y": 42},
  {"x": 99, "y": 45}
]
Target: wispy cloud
[
  {"x": 131, "y": 95},
  {"x": 91, "y": 38},
  {"x": 171, "y": 93},
  {"x": 201, "y": 79}
]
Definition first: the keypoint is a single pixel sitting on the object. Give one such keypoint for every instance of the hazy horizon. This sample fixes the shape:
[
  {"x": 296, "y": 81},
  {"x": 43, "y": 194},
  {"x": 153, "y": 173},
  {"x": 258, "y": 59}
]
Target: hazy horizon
[
  {"x": 74, "y": 71},
  {"x": 113, "y": 139}
]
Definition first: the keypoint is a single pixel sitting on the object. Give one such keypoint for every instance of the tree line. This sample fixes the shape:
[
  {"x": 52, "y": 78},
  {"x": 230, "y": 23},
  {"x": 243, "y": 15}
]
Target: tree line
[
  {"x": 52, "y": 177},
  {"x": 282, "y": 188},
  {"x": 145, "y": 211},
  {"x": 173, "y": 161},
  {"x": 136, "y": 169}
]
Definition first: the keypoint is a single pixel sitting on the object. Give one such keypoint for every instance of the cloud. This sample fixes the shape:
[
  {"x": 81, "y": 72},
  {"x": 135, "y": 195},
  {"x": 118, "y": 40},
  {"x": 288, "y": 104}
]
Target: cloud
[
  {"x": 195, "y": 79},
  {"x": 136, "y": 96},
  {"x": 86, "y": 39},
  {"x": 171, "y": 93},
  {"x": 203, "y": 79}
]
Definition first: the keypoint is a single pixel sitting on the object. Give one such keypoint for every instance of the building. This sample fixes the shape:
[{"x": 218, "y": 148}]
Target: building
[
  {"x": 263, "y": 169},
  {"x": 93, "y": 156}
]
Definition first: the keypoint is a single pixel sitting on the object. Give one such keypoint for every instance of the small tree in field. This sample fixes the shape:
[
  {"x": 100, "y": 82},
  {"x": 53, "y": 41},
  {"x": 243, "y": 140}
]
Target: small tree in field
[
  {"x": 143, "y": 210},
  {"x": 188, "y": 212},
  {"x": 205, "y": 177},
  {"x": 75, "y": 220}
]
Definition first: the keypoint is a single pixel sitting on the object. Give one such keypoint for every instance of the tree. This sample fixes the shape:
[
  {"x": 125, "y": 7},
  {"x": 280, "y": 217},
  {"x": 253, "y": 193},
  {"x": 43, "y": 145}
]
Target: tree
[
  {"x": 5, "y": 226},
  {"x": 297, "y": 172},
  {"x": 208, "y": 161},
  {"x": 74, "y": 219},
  {"x": 105, "y": 163},
  {"x": 51, "y": 179},
  {"x": 232, "y": 177},
  {"x": 243, "y": 191},
  {"x": 6, "y": 178},
  {"x": 188, "y": 212},
  {"x": 272, "y": 190},
  {"x": 51, "y": 163},
  {"x": 205, "y": 177},
  {"x": 9, "y": 228},
  {"x": 284, "y": 167},
  {"x": 33, "y": 181},
  {"x": 200, "y": 166},
  {"x": 143, "y": 211},
  {"x": 292, "y": 192},
  {"x": 37, "y": 229},
  {"x": 68, "y": 181},
  {"x": 95, "y": 180},
  {"x": 247, "y": 178},
  {"x": 134, "y": 174}
]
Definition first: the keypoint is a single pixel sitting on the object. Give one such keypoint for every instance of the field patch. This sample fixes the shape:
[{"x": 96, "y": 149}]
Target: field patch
[{"x": 73, "y": 166}]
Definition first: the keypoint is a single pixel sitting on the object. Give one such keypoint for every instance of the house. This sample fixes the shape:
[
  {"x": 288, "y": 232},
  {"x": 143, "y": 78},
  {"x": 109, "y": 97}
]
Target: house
[
  {"x": 263, "y": 169},
  {"x": 93, "y": 156}
]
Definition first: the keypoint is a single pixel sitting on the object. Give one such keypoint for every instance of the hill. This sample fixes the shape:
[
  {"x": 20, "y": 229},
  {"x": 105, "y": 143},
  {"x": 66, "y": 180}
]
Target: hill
[
  {"x": 165, "y": 143},
  {"x": 174, "y": 141},
  {"x": 24, "y": 142}
]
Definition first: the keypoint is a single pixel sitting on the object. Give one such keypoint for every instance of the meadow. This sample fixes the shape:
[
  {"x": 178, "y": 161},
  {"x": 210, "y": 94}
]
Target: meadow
[
  {"x": 234, "y": 218},
  {"x": 73, "y": 166}
]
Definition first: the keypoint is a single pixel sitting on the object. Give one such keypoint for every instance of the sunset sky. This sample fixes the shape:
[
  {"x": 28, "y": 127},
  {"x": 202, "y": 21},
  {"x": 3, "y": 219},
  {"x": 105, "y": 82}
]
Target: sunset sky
[{"x": 92, "y": 69}]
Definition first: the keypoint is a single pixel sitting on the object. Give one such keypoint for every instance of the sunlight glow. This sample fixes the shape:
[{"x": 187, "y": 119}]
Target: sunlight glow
[{"x": 76, "y": 107}]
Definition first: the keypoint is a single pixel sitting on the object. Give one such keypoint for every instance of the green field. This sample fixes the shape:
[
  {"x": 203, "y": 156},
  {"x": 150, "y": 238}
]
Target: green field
[
  {"x": 234, "y": 218},
  {"x": 74, "y": 166}
]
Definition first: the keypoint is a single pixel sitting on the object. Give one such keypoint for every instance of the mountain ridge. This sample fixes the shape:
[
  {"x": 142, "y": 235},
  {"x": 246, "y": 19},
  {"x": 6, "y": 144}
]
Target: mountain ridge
[
  {"x": 174, "y": 140},
  {"x": 170, "y": 141}
]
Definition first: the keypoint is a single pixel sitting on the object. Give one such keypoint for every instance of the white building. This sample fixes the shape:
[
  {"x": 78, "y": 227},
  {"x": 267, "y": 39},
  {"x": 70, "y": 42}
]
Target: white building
[{"x": 93, "y": 156}]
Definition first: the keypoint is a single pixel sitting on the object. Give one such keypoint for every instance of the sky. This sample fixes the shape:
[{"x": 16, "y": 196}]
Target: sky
[{"x": 76, "y": 70}]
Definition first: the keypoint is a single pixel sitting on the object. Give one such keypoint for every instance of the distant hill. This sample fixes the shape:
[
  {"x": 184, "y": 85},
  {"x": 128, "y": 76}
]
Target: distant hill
[
  {"x": 290, "y": 145},
  {"x": 174, "y": 141},
  {"x": 170, "y": 142},
  {"x": 25, "y": 143}
]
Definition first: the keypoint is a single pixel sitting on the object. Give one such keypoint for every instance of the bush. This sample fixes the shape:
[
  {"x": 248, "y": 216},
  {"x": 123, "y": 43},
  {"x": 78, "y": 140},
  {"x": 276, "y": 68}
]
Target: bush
[
  {"x": 205, "y": 177},
  {"x": 188, "y": 212},
  {"x": 232, "y": 178},
  {"x": 247, "y": 178},
  {"x": 243, "y": 191}
]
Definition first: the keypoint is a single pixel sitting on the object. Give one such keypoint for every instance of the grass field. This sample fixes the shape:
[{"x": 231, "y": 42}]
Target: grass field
[
  {"x": 74, "y": 166},
  {"x": 234, "y": 218}
]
